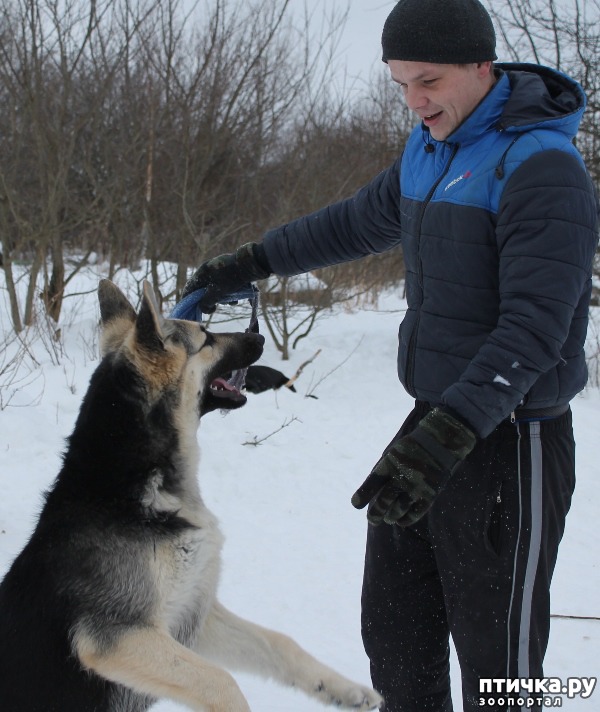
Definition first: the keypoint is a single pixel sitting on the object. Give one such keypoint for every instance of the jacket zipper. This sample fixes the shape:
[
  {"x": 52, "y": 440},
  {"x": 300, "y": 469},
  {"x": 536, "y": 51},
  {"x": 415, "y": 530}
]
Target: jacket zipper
[{"x": 412, "y": 345}]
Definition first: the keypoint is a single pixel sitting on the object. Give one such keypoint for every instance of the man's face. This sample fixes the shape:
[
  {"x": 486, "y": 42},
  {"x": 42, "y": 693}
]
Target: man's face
[{"x": 443, "y": 95}]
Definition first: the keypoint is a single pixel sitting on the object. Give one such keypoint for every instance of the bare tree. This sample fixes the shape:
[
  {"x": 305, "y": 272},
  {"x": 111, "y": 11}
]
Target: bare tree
[
  {"x": 49, "y": 103},
  {"x": 135, "y": 127}
]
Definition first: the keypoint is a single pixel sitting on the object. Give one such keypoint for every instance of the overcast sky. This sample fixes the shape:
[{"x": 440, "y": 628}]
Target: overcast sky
[{"x": 360, "y": 45}]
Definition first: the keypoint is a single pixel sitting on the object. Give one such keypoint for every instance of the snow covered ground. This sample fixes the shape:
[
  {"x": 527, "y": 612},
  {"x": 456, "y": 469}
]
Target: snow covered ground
[{"x": 294, "y": 544}]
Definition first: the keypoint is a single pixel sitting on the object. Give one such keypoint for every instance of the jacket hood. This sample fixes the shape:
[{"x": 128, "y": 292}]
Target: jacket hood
[{"x": 540, "y": 95}]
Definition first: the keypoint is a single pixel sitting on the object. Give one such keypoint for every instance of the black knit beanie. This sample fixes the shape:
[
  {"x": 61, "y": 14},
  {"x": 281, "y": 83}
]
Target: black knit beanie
[{"x": 439, "y": 32}]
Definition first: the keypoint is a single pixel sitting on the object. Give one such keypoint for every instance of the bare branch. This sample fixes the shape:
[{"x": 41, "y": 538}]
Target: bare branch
[{"x": 257, "y": 441}]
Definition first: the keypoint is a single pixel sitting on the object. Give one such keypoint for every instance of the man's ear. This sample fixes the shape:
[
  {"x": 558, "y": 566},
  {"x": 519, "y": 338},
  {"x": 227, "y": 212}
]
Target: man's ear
[{"x": 148, "y": 324}]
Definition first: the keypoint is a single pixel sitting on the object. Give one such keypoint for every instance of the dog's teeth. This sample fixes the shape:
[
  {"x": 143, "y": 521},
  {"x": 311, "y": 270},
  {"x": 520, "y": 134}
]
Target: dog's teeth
[{"x": 220, "y": 385}]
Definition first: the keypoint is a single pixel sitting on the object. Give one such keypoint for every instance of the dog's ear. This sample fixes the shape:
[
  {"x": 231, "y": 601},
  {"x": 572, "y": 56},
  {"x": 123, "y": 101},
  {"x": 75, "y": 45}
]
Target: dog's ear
[
  {"x": 148, "y": 324},
  {"x": 117, "y": 314},
  {"x": 113, "y": 303}
]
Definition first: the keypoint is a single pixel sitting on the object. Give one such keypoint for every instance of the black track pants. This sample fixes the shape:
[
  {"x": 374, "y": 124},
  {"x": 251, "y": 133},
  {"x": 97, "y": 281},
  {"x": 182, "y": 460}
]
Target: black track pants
[{"x": 478, "y": 566}]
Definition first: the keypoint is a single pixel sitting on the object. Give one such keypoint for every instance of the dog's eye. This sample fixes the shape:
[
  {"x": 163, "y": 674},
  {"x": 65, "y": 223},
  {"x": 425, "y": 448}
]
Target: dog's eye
[
  {"x": 209, "y": 339},
  {"x": 181, "y": 338}
]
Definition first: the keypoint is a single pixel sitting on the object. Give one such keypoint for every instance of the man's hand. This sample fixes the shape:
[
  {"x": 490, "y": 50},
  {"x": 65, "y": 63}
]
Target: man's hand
[
  {"x": 225, "y": 275},
  {"x": 404, "y": 483}
]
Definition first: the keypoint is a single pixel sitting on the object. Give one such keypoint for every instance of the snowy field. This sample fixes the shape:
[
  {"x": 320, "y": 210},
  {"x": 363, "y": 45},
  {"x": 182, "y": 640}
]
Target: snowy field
[{"x": 294, "y": 544}]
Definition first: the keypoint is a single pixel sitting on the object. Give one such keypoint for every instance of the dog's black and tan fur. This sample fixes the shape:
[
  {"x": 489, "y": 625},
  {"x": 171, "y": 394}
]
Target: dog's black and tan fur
[{"x": 112, "y": 603}]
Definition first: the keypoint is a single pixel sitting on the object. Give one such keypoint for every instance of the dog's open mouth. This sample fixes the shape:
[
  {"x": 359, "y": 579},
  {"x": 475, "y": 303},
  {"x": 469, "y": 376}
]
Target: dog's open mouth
[
  {"x": 221, "y": 389},
  {"x": 222, "y": 395}
]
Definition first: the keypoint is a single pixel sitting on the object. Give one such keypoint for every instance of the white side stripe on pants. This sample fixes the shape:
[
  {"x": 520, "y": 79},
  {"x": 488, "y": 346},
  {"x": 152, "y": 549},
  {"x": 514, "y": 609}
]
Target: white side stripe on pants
[{"x": 534, "y": 549}]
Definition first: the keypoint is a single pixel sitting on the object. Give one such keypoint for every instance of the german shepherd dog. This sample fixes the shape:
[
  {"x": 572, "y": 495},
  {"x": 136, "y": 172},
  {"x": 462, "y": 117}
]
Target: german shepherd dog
[{"x": 112, "y": 603}]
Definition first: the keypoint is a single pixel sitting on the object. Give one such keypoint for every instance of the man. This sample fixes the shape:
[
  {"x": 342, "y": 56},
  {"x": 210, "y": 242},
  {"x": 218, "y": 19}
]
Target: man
[{"x": 497, "y": 219}]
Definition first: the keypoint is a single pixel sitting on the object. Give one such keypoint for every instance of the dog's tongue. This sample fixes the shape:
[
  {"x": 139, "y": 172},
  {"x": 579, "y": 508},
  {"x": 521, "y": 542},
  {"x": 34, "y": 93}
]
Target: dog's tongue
[{"x": 222, "y": 383}]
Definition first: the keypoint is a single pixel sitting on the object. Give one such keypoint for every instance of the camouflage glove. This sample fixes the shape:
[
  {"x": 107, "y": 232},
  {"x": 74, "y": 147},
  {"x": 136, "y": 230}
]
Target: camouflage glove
[
  {"x": 416, "y": 467},
  {"x": 225, "y": 275}
]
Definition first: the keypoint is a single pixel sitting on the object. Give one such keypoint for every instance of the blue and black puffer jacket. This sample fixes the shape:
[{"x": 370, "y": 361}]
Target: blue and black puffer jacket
[{"x": 498, "y": 226}]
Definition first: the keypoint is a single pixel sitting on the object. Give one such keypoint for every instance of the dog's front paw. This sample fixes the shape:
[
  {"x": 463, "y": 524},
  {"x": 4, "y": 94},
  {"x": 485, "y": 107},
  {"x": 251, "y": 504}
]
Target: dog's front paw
[{"x": 348, "y": 695}]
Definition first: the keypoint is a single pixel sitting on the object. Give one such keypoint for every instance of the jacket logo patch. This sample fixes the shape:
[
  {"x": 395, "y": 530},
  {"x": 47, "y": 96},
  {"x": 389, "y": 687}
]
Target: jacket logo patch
[{"x": 457, "y": 180}]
